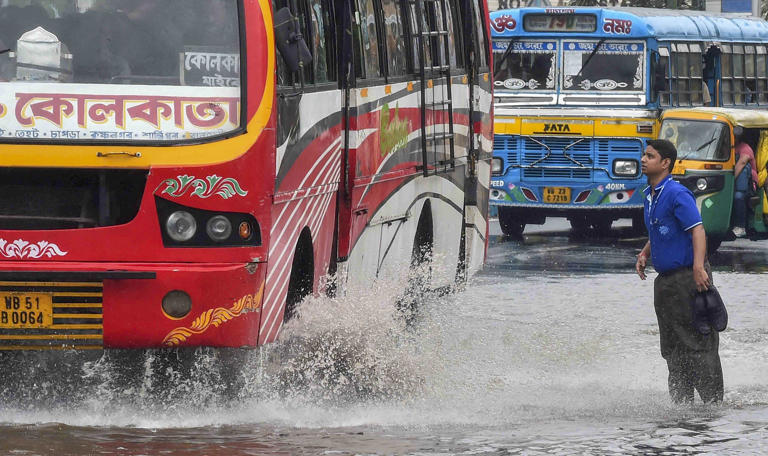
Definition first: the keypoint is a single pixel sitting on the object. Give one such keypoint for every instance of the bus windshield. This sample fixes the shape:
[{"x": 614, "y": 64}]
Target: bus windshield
[
  {"x": 529, "y": 65},
  {"x": 698, "y": 140},
  {"x": 118, "y": 70},
  {"x": 615, "y": 66}
]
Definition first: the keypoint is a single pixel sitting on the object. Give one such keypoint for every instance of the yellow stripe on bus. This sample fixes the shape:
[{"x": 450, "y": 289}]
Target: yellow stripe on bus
[
  {"x": 78, "y": 316},
  {"x": 76, "y": 305},
  {"x": 50, "y": 347},
  {"x": 77, "y": 327},
  {"x": 70, "y": 294},
  {"x": 51, "y": 284},
  {"x": 53, "y": 337}
]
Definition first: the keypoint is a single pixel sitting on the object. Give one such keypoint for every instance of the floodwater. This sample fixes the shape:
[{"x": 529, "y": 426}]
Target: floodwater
[{"x": 553, "y": 349}]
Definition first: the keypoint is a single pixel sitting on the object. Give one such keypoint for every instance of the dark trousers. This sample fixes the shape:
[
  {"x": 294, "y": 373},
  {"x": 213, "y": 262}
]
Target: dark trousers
[{"x": 691, "y": 357}]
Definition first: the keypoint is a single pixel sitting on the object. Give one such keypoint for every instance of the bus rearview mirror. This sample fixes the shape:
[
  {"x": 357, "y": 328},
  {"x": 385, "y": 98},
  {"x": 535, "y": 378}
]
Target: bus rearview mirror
[{"x": 290, "y": 41}]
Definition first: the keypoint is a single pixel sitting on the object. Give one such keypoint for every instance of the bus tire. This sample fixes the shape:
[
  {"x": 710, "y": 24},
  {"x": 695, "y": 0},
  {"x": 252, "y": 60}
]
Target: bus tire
[
  {"x": 302, "y": 275},
  {"x": 579, "y": 224},
  {"x": 420, "y": 272},
  {"x": 510, "y": 225}
]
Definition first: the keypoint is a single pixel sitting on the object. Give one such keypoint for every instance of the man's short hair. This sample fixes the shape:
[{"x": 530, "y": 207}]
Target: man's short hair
[{"x": 666, "y": 149}]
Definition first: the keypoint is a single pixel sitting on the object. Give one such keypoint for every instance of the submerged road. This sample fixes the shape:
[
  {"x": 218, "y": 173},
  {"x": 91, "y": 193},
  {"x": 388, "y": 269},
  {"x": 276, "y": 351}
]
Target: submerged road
[{"x": 552, "y": 349}]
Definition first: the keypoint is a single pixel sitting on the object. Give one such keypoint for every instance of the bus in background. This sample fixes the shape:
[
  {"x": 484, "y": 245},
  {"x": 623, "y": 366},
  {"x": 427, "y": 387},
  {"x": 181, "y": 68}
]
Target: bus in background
[
  {"x": 182, "y": 173},
  {"x": 578, "y": 91}
]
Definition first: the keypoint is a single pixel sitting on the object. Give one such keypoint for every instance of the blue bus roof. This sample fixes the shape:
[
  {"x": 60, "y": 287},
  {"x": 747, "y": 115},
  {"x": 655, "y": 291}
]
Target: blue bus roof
[{"x": 661, "y": 24}]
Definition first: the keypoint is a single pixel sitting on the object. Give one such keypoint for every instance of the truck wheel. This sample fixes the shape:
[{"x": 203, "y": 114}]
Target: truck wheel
[{"x": 510, "y": 225}]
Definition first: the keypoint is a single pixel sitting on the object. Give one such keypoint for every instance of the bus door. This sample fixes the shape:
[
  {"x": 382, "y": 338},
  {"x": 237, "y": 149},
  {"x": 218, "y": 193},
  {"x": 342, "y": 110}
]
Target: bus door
[{"x": 433, "y": 60}]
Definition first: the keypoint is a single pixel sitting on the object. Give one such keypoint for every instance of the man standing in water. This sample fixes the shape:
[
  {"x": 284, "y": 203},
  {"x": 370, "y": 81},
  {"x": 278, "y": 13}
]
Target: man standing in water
[{"x": 677, "y": 246}]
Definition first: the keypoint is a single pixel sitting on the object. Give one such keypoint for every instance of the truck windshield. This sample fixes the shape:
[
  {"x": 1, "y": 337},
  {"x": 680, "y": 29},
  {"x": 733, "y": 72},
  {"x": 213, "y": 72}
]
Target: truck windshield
[
  {"x": 529, "y": 65},
  {"x": 615, "y": 66},
  {"x": 698, "y": 140},
  {"x": 118, "y": 70}
]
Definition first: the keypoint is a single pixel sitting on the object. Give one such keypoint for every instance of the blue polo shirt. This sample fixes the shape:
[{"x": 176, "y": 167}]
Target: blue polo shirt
[{"x": 669, "y": 216}]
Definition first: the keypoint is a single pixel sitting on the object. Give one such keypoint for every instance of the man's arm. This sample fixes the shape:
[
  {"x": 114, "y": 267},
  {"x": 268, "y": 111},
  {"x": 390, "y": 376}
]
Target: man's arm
[
  {"x": 699, "y": 253},
  {"x": 642, "y": 260},
  {"x": 743, "y": 160}
]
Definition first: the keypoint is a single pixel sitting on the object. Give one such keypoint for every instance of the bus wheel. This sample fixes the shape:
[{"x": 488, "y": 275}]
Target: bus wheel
[
  {"x": 510, "y": 226},
  {"x": 713, "y": 243},
  {"x": 302, "y": 275},
  {"x": 579, "y": 224},
  {"x": 233, "y": 365},
  {"x": 420, "y": 273},
  {"x": 601, "y": 225}
]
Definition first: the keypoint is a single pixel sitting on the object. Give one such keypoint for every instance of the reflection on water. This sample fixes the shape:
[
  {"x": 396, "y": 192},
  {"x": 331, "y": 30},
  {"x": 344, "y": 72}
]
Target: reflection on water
[{"x": 518, "y": 363}]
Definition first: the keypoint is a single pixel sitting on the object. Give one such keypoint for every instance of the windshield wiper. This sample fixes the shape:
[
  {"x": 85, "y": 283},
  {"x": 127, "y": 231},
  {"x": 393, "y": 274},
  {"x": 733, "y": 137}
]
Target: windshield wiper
[
  {"x": 592, "y": 54},
  {"x": 504, "y": 56},
  {"x": 706, "y": 143}
]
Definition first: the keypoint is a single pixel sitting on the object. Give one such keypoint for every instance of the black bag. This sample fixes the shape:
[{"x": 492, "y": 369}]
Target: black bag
[{"x": 708, "y": 311}]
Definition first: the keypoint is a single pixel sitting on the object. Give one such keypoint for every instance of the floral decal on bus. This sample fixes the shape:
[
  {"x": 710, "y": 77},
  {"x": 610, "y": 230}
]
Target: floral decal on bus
[
  {"x": 394, "y": 131},
  {"x": 24, "y": 249},
  {"x": 203, "y": 187},
  {"x": 215, "y": 317}
]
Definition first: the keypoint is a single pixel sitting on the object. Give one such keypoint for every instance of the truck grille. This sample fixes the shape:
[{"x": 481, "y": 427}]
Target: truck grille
[{"x": 77, "y": 316}]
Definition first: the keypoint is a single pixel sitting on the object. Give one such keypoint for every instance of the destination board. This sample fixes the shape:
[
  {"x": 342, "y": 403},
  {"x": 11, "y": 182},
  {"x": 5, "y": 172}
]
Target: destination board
[{"x": 560, "y": 23}]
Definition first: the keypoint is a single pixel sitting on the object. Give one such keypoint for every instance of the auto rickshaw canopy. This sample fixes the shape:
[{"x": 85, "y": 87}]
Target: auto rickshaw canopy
[{"x": 744, "y": 117}]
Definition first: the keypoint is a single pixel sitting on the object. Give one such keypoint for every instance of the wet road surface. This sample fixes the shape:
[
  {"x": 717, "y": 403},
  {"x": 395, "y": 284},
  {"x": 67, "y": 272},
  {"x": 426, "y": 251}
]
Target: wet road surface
[{"x": 553, "y": 349}]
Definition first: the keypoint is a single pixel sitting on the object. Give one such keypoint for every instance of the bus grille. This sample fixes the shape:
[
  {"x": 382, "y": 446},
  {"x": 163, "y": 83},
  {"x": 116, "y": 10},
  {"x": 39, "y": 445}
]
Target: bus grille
[
  {"x": 598, "y": 152},
  {"x": 77, "y": 317}
]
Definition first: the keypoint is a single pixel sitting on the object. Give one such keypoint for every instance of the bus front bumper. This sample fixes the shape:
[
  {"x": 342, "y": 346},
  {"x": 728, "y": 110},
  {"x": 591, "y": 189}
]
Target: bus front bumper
[{"x": 58, "y": 305}]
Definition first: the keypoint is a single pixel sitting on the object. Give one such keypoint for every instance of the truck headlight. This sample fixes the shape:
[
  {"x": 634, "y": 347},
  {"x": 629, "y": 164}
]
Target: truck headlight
[
  {"x": 625, "y": 168},
  {"x": 497, "y": 166}
]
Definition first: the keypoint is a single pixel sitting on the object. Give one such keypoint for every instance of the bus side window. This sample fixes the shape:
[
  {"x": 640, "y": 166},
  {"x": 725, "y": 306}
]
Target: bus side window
[
  {"x": 662, "y": 81},
  {"x": 750, "y": 79},
  {"x": 395, "y": 37},
  {"x": 415, "y": 30},
  {"x": 283, "y": 75},
  {"x": 368, "y": 39},
  {"x": 454, "y": 35},
  {"x": 738, "y": 75},
  {"x": 762, "y": 75},
  {"x": 726, "y": 72},
  {"x": 695, "y": 74},
  {"x": 681, "y": 75},
  {"x": 481, "y": 47},
  {"x": 322, "y": 42}
]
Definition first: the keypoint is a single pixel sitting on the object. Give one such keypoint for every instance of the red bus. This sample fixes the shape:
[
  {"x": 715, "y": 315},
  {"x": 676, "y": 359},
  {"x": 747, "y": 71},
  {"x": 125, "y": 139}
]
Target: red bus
[{"x": 183, "y": 172}]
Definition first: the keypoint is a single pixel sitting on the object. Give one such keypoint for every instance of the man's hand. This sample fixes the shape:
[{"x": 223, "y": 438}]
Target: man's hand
[
  {"x": 701, "y": 278},
  {"x": 640, "y": 265}
]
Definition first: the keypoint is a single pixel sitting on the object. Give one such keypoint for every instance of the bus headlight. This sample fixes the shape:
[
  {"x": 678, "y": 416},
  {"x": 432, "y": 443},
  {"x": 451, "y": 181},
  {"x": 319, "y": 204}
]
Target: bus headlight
[
  {"x": 181, "y": 226},
  {"x": 219, "y": 228},
  {"x": 497, "y": 166},
  {"x": 701, "y": 184},
  {"x": 625, "y": 168}
]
